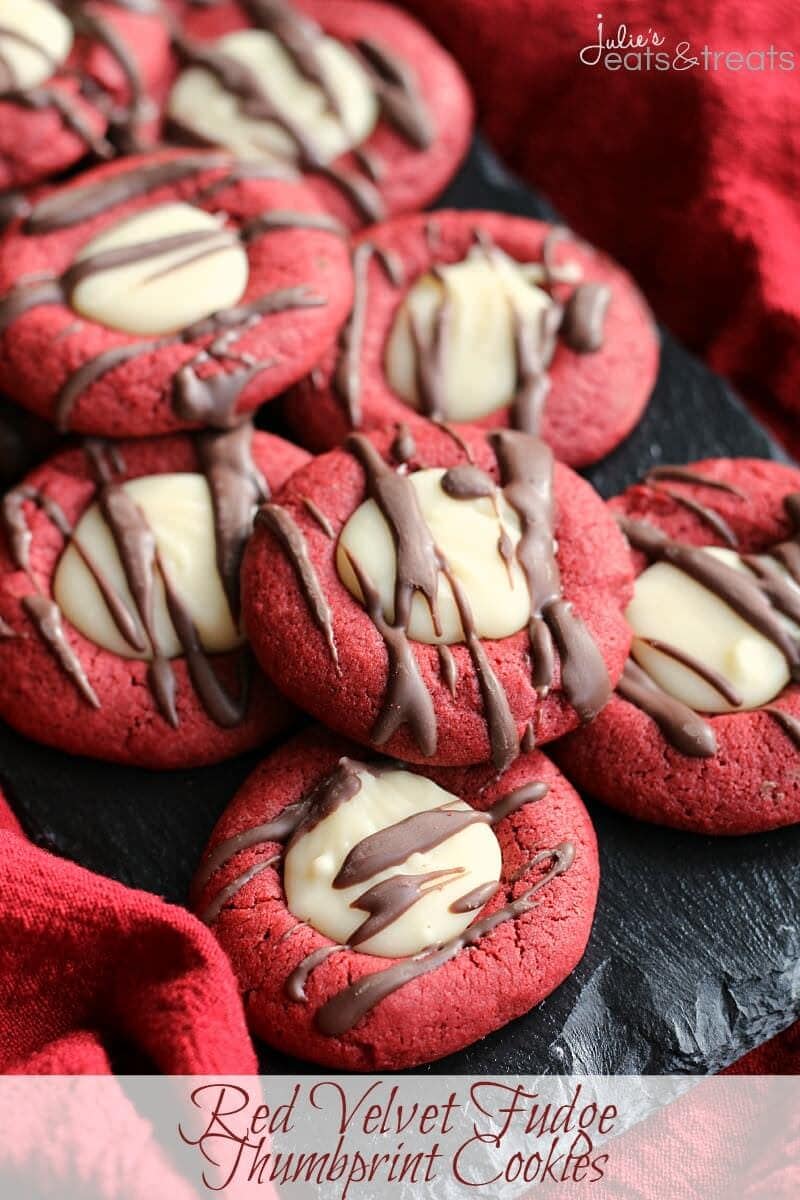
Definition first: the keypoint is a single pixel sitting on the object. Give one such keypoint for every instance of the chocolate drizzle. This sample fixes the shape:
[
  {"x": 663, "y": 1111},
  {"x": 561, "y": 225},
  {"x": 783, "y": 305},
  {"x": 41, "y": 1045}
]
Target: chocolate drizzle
[
  {"x": 46, "y": 617},
  {"x": 419, "y": 562},
  {"x": 346, "y": 1008},
  {"x": 206, "y": 399},
  {"x": 711, "y": 518},
  {"x": 475, "y": 899},
  {"x": 397, "y": 92},
  {"x": 501, "y": 725},
  {"x": 788, "y": 723},
  {"x": 713, "y": 678},
  {"x": 417, "y": 566},
  {"x": 406, "y": 700},
  {"x": 237, "y": 487},
  {"x": 512, "y": 802},
  {"x": 393, "y": 845},
  {"x": 279, "y": 829},
  {"x": 295, "y": 986},
  {"x": 347, "y": 376},
  {"x": 467, "y": 482},
  {"x": 316, "y": 513},
  {"x": 385, "y": 902},
  {"x": 682, "y": 726},
  {"x": 431, "y": 355},
  {"x": 74, "y": 205},
  {"x": 403, "y": 447},
  {"x": 679, "y": 474},
  {"x": 526, "y": 469},
  {"x": 584, "y": 317},
  {"x": 448, "y": 668},
  {"x": 741, "y": 592},
  {"x": 210, "y": 914},
  {"x": 282, "y": 526}
]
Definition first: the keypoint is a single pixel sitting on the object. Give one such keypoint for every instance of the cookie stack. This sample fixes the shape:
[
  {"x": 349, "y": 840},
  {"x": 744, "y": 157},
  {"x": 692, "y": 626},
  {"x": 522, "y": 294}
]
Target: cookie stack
[{"x": 417, "y": 567}]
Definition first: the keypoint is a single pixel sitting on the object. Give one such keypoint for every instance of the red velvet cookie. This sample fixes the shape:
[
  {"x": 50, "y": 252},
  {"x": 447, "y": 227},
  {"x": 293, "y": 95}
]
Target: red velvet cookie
[
  {"x": 379, "y": 679},
  {"x": 90, "y": 82},
  {"x": 244, "y": 290},
  {"x": 348, "y": 1008},
  {"x": 68, "y": 684},
  {"x": 578, "y": 369},
  {"x": 391, "y": 136},
  {"x": 656, "y": 758}
]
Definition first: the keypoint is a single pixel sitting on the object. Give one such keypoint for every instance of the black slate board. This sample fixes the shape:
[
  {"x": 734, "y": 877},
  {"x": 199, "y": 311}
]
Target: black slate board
[{"x": 694, "y": 954}]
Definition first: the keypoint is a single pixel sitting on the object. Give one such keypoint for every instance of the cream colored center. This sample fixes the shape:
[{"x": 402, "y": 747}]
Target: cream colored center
[
  {"x": 313, "y": 862},
  {"x": 180, "y": 514},
  {"x": 672, "y": 608},
  {"x": 468, "y": 533},
  {"x": 485, "y": 297},
  {"x": 168, "y": 285},
  {"x": 200, "y": 102},
  {"x": 35, "y": 39}
]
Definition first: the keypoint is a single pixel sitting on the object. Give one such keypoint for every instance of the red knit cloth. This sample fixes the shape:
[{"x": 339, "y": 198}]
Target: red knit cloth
[{"x": 95, "y": 975}]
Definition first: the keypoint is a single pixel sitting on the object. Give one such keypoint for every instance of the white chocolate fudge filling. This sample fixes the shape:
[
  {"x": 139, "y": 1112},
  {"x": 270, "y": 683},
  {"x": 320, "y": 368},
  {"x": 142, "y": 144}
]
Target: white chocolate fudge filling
[
  {"x": 672, "y": 608},
  {"x": 170, "y": 283},
  {"x": 485, "y": 297},
  {"x": 35, "y": 40},
  {"x": 468, "y": 532},
  {"x": 199, "y": 102},
  {"x": 313, "y": 861},
  {"x": 180, "y": 513}
]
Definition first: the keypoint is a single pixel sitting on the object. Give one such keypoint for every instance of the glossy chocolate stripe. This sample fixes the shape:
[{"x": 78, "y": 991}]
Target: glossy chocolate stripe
[
  {"x": 526, "y": 469},
  {"x": 582, "y": 326},
  {"x": 417, "y": 560},
  {"x": 475, "y": 899},
  {"x": 391, "y": 846},
  {"x": 46, "y": 617},
  {"x": 385, "y": 902},
  {"x": 406, "y": 699},
  {"x": 678, "y": 474},
  {"x": 74, "y": 205},
  {"x": 347, "y": 375},
  {"x": 713, "y": 519},
  {"x": 237, "y": 487},
  {"x": 210, "y": 914},
  {"x": 288, "y": 533},
  {"x": 680, "y": 725},
  {"x": 713, "y": 678}
]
